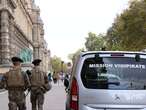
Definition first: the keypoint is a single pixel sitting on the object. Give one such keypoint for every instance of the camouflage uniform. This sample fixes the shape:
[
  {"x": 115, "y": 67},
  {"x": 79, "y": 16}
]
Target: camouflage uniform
[
  {"x": 16, "y": 94},
  {"x": 38, "y": 80}
]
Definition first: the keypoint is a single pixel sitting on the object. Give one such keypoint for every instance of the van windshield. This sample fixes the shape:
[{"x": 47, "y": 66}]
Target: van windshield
[{"x": 114, "y": 73}]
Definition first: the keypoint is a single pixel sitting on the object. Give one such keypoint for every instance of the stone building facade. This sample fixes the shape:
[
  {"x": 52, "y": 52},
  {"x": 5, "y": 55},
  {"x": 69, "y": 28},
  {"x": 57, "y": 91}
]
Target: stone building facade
[
  {"x": 45, "y": 57},
  {"x": 21, "y": 33}
]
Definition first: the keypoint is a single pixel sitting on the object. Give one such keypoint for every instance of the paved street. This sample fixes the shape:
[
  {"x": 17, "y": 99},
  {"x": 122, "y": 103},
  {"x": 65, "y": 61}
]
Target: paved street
[{"x": 55, "y": 99}]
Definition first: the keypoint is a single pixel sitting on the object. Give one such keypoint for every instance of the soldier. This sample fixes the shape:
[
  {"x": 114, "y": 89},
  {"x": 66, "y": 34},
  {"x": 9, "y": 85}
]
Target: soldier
[
  {"x": 16, "y": 82},
  {"x": 38, "y": 80}
]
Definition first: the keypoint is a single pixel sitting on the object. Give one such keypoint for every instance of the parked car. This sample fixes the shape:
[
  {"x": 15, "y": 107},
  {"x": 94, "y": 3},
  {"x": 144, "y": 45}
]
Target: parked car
[{"x": 108, "y": 80}]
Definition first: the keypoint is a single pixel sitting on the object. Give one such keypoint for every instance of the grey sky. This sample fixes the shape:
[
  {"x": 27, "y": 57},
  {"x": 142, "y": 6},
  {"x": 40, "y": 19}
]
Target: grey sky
[{"x": 67, "y": 22}]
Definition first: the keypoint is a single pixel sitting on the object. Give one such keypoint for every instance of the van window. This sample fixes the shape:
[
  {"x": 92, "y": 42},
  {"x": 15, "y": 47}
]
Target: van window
[{"x": 114, "y": 73}]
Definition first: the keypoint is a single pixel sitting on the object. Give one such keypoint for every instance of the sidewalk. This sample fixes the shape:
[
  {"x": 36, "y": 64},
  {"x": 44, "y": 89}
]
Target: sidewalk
[{"x": 54, "y": 99}]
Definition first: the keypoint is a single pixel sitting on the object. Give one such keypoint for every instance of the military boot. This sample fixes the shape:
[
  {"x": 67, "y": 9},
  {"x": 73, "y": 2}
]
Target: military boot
[{"x": 40, "y": 107}]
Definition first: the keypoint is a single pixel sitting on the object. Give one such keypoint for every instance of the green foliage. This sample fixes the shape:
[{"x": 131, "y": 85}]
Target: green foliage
[
  {"x": 128, "y": 32},
  {"x": 65, "y": 67},
  {"x": 72, "y": 56},
  {"x": 94, "y": 42},
  {"x": 57, "y": 64}
]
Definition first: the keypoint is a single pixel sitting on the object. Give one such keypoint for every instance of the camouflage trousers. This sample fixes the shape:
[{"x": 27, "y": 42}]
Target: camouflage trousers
[
  {"x": 16, "y": 100},
  {"x": 37, "y": 99}
]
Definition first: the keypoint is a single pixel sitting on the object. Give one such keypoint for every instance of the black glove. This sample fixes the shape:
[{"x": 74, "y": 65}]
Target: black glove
[
  {"x": 28, "y": 72},
  {"x": 29, "y": 89}
]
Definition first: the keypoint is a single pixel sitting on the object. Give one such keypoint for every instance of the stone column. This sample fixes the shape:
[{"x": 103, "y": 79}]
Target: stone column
[
  {"x": 12, "y": 38},
  {"x": 36, "y": 41},
  {"x": 36, "y": 33},
  {"x": 5, "y": 51},
  {"x": 36, "y": 53}
]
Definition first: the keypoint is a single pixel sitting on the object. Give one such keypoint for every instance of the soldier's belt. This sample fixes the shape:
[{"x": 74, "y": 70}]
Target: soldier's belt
[
  {"x": 36, "y": 86},
  {"x": 16, "y": 88}
]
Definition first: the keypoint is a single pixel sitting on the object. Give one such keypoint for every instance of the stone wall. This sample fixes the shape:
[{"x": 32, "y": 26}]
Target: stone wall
[
  {"x": 21, "y": 32},
  {"x": 22, "y": 19}
]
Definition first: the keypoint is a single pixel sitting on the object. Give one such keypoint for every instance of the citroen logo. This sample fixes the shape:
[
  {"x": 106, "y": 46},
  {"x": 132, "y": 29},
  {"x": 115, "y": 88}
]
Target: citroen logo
[{"x": 117, "y": 97}]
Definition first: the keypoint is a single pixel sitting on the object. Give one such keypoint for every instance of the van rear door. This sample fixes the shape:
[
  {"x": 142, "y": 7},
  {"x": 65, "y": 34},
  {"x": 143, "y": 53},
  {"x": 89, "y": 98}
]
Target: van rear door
[{"x": 113, "y": 82}]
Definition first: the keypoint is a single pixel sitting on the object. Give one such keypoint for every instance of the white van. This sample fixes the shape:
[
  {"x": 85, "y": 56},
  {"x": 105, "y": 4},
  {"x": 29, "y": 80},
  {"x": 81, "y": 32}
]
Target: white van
[{"x": 108, "y": 80}]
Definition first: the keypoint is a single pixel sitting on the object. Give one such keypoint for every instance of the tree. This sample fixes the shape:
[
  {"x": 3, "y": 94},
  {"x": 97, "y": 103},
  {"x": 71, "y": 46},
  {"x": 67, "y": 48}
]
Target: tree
[
  {"x": 72, "y": 56},
  {"x": 128, "y": 31},
  {"x": 57, "y": 64},
  {"x": 94, "y": 42}
]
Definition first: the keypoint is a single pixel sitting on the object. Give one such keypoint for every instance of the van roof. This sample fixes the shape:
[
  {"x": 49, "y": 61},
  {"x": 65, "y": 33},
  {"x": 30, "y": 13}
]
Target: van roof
[{"x": 110, "y": 52}]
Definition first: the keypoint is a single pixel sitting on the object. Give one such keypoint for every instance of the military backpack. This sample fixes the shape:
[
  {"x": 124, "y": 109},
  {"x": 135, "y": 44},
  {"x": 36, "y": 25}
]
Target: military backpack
[
  {"x": 15, "y": 78},
  {"x": 37, "y": 77}
]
